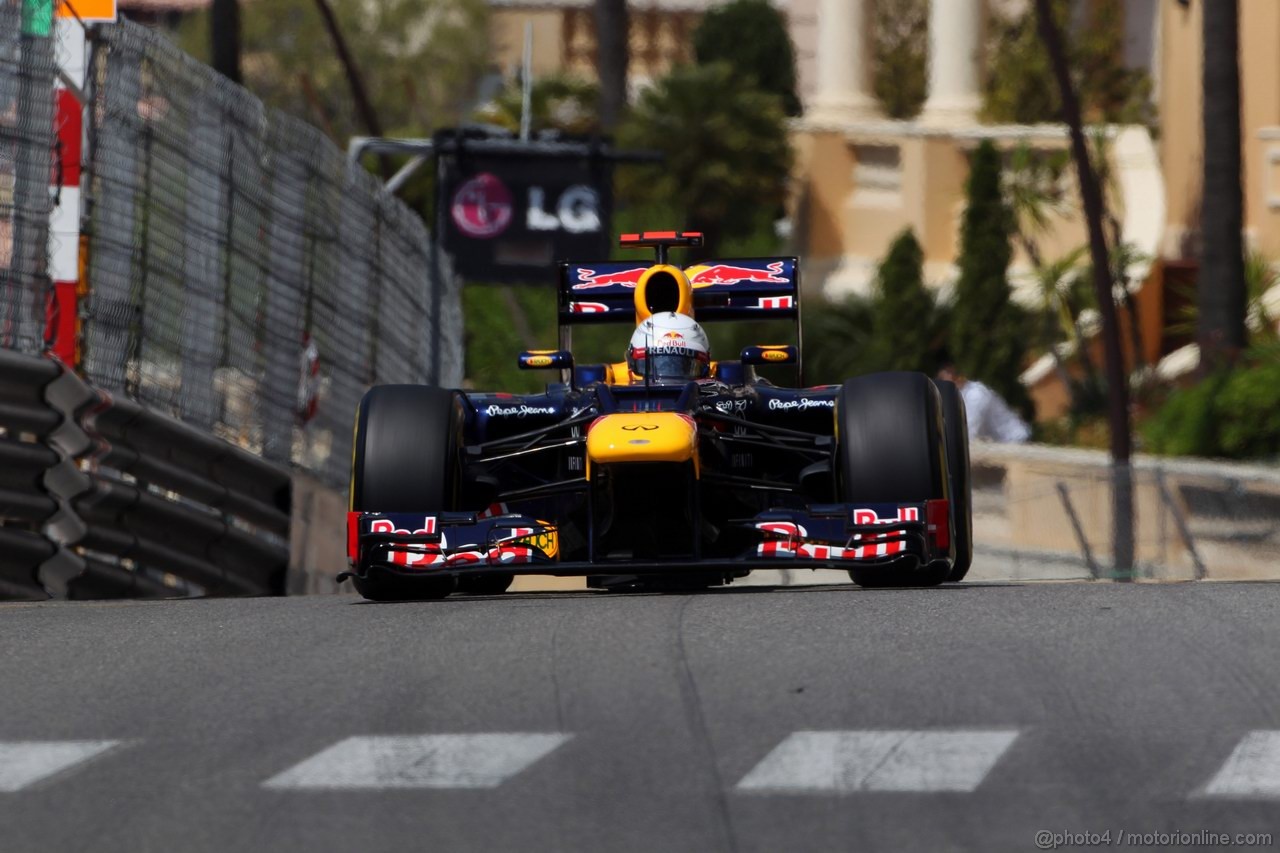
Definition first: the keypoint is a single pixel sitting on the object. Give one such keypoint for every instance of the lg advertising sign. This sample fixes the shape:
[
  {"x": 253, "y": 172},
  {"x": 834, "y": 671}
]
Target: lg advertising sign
[{"x": 510, "y": 219}]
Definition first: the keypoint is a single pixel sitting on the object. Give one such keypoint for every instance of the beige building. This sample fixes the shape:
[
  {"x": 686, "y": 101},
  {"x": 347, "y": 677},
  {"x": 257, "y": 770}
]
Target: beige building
[
  {"x": 862, "y": 179},
  {"x": 661, "y": 36}
]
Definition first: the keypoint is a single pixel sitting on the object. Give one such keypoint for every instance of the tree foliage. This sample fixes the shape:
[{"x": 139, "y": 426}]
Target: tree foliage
[
  {"x": 419, "y": 59},
  {"x": 726, "y": 148},
  {"x": 1233, "y": 413},
  {"x": 900, "y": 50},
  {"x": 1020, "y": 88},
  {"x": 751, "y": 36},
  {"x": 561, "y": 103},
  {"x": 987, "y": 332},
  {"x": 902, "y": 309}
]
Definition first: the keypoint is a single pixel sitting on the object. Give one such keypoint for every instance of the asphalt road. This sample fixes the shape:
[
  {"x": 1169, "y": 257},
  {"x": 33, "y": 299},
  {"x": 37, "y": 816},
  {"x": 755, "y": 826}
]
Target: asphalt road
[{"x": 962, "y": 718}]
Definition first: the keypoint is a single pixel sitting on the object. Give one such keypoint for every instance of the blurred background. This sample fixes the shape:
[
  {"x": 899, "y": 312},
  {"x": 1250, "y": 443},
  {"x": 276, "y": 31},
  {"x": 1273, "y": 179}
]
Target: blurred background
[
  {"x": 1072, "y": 206},
  {"x": 842, "y": 131}
]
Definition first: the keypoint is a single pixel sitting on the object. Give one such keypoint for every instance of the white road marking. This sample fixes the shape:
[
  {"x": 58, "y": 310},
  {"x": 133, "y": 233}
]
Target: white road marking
[
  {"x": 847, "y": 761},
  {"x": 420, "y": 761},
  {"x": 1252, "y": 769},
  {"x": 24, "y": 763}
]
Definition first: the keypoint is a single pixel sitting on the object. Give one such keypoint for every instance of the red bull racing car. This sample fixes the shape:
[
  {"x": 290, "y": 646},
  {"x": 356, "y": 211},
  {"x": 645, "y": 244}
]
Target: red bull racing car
[{"x": 667, "y": 469}]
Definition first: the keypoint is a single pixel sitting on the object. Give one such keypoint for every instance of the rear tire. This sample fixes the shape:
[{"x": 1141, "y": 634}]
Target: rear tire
[
  {"x": 891, "y": 450},
  {"x": 406, "y": 460},
  {"x": 955, "y": 426}
]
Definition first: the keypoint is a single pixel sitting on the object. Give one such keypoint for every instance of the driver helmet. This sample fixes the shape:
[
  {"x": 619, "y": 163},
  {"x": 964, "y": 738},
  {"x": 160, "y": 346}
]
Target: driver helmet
[{"x": 669, "y": 346}]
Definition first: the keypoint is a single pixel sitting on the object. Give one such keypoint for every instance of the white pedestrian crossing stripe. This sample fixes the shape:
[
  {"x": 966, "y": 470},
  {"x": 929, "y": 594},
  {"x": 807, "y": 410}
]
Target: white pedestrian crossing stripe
[
  {"x": 875, "y": 760},
  {"x": 420, "y": 761},
  {"x": 1252, "y": 769},
  {"x": 24, "y": 763}
]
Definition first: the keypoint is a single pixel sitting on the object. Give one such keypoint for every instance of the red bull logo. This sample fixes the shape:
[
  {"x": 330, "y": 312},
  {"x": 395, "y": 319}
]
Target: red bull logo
[
  {"x": 732, "y": 274},
  {"x": 589, "y": 278}
]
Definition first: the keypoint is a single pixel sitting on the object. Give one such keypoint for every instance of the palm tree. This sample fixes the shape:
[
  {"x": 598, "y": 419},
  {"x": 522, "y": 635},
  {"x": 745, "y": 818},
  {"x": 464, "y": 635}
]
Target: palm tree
[
  {"x": 1103, "y": 285},
  {"x": 1221, "y": 287},
  {"x": 612, "y": 57}
]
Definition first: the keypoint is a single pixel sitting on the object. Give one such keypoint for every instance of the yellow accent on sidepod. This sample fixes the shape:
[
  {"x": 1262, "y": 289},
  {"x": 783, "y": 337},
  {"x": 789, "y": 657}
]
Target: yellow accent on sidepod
[{"x": 642, "y": 437}]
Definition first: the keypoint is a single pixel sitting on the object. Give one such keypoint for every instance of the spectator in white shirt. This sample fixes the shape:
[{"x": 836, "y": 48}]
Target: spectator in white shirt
[{"x": 990, "y": 418}]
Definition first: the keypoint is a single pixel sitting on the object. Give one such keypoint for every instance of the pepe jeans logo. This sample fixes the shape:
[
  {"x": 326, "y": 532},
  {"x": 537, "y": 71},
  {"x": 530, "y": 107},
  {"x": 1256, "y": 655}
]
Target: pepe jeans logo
[
  {"x": 518, "y": 411},
  {"x": 802, "y": 403}
]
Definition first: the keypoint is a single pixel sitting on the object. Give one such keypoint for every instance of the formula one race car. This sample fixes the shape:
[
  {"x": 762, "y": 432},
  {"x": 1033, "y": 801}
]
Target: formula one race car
[{"x": 668, "y": 469}]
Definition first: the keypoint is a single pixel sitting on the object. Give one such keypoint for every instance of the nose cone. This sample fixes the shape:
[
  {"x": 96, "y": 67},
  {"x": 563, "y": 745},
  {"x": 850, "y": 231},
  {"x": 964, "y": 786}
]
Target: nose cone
[{"x": 642, "y": 437}]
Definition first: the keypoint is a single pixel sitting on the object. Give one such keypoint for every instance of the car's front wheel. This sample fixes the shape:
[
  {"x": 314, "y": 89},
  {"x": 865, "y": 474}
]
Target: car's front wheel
[
  {"x": 891, "y": 449},
  {"x": 405, "y": 459}
]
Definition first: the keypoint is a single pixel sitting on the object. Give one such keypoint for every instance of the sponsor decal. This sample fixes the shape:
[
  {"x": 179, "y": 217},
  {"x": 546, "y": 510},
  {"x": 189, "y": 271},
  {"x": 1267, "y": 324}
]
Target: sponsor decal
[
  {"x": 429, "y": 553},
  {"x": 790, "y": 543},
  {"x": 539, "y": 361},
  {"x": 638, "y": 441},
  {"x": 588, "y": 308},
  {"x": 482, "y": 207},
  {"x": 772, "y": 302},
  {"x": 730, "y": 407},
  {"x": 589, "y": 278},
  {"x": 801, "y": 403},
  {"x": 732, "y": 274},
  {"x": 774, "y": 355},
  {"x": 519, "y": 411},
  {"x": 547, "y": 541},
  {"x": 634, "y": 427},
  {"x": 673, "y": 339}
]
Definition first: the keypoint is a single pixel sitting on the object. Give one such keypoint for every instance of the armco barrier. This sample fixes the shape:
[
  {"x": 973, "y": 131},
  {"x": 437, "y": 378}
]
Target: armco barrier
[
  {"x": 102, "y": 498},
  {"x": 26, "y": 420}
]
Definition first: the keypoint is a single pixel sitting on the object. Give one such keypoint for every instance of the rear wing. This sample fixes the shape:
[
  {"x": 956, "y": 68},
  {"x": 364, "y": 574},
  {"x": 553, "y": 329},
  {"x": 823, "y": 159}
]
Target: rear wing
[{"x": 739, "y": 289}]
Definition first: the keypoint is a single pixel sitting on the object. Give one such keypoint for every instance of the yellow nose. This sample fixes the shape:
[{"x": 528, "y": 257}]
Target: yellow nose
[{"x": 642, "y": 437}]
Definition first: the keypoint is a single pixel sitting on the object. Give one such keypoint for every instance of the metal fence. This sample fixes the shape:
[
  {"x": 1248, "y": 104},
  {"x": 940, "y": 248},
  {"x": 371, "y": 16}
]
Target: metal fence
[
  {"x": 242, "y": 276},
  {"x": 1046, "y": 513},
  {"x": 26, "y": 143}
]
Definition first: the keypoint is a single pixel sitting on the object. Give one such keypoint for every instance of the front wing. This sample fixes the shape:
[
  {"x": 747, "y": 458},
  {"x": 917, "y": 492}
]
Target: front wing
[{"x": 819, "y": 536}]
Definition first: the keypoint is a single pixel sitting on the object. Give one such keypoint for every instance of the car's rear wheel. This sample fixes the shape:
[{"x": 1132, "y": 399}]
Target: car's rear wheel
[
  {"x": 406, "y": 460},
  {"x": 955, "y": 426},
  {"x": 891, "y": 449}
]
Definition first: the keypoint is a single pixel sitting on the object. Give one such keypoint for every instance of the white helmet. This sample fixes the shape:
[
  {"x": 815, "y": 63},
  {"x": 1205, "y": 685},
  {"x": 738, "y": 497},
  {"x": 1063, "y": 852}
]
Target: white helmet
[{"x": 669, "y": 346}]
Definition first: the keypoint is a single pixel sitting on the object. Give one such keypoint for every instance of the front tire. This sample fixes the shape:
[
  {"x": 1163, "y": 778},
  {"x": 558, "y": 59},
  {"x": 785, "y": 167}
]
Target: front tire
[
  {"x": 956, "y": 427},
  {"x": 891, "y": 450},
  {"x": 406, "y": 460}
]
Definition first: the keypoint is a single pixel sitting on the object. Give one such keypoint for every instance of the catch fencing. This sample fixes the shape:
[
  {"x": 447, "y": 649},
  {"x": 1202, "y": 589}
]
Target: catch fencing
[
  {"x": 27, "y": 74},
  {"x": 242, "y": 286},
  {"x": 243, "y": 276}
]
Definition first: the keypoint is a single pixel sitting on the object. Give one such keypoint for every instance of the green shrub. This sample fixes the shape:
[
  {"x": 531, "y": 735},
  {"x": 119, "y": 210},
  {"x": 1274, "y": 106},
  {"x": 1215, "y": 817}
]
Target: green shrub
[
  {"x": 1248, "y": 412},
  {"x": 1235, "y": 414},
  {"x": 1185, "y": 424}
]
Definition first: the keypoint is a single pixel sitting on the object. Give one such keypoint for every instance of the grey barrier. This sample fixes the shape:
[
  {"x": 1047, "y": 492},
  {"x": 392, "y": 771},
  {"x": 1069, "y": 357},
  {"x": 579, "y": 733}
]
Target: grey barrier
[
  {"x": 244, "y": 285},
  {"x": 1045, "y": 513},
  {"x": 102, "y": 498}
]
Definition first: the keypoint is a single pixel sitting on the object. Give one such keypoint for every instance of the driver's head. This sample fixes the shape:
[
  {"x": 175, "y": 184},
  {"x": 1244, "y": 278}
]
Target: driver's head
[{"x": 669, "y": 346}]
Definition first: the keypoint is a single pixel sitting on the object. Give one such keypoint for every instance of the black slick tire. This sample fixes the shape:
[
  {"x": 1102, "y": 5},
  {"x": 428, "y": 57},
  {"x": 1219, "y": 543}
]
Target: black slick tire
[
  {"x": 955, "y": 427},
  {"x": 406, "y": 460},
  {"x": 891, "y": 450}
]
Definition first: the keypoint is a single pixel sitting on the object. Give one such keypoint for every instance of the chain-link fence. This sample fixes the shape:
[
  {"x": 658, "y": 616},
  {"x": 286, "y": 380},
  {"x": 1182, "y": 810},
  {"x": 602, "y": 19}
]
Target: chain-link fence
[
  {"x": 242, "y": 275},
  {"x": 26, "y": 143},
  {"x": 1046, "y": 513}
]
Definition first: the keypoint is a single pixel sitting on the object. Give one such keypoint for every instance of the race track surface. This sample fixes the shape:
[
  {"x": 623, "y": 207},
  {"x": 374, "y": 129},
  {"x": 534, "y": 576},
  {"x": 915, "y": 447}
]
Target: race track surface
[{"x": 788, "y": 719}]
